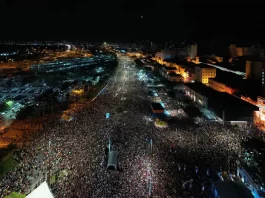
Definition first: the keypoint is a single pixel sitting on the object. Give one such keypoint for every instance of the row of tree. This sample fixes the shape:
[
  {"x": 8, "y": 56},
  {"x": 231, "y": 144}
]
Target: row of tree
[{"x": 16, "y": 195}]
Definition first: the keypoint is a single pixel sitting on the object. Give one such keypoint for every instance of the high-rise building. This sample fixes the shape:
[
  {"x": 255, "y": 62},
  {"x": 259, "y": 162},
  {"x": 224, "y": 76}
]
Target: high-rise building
[
  {"x": 193, "y": 51},
  {"x": 168, "y": 54},
  {"x": 261, "y": 55},
  {"x": 204, "y": 72},
  {"x": 232, "y": 50},
  {"x": 236, "y": 51},
  {"x": 248, "y": 69},
  {"x": 182, "y": 52},
  {"x": 255, "y": 71}
]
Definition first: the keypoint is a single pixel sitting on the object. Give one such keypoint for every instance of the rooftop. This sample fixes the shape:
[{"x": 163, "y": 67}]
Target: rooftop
[
  {"x": 229, "y": 79},
  {"x": 176, "y": 60},
  {"x": 168, "y": 60},
  {"x": 248, "y": 90},
  {"x": 202, "y": 65},
  {"x": 174, "y": 74},
  {"x": 157, "y": 106},
  {"x": 169, "y": 68},
  {"x": 227, "y": 189},
  {"x": 226, "y": 100}
]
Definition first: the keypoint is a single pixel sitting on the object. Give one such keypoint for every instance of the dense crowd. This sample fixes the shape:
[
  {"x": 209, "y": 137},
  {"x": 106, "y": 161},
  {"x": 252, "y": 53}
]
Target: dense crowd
[{"x": 184, "y": 159}]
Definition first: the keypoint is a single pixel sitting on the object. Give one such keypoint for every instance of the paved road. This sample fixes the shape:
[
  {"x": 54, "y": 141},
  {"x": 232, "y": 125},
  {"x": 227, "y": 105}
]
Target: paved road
[
  {"x": 128, "y": 129},
  {"x": 20, "y": 94}
]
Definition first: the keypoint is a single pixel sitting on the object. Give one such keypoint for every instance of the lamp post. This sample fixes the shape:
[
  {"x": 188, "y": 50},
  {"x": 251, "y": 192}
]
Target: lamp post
[
  {"x": 150, "y": 188},
  {"x": 43, "y": 111},
  {"x": 151, "y": 144},
  {"x": 228, "y": 156},
  {"x": 109, "y": 145},
  {"x": 49, "y": 162}
]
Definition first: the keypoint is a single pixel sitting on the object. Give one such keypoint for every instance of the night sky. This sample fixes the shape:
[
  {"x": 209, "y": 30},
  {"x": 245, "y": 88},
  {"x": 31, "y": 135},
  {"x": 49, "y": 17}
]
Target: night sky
[{"x": 121, "y": 20}]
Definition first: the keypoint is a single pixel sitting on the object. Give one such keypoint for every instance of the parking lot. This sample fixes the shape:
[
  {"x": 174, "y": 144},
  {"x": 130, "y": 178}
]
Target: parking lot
[{"x": 57, "y": 76}]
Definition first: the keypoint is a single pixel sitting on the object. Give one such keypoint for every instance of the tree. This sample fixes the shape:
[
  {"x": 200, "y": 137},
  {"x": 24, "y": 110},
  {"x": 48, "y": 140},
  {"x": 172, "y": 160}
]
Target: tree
[
  {"x": 16, "y": 195},
  {"x": 65, "y": 86},
  {"x": 24, "y": 112},
  {"x": 3, "y": 106},
  {"x": 48, "y": 96}
]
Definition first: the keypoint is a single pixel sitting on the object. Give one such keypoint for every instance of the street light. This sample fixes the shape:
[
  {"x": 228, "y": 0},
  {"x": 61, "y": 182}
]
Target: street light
[
  {"x": 49, "y": 161},
  {"x": 151, "y": 143}
]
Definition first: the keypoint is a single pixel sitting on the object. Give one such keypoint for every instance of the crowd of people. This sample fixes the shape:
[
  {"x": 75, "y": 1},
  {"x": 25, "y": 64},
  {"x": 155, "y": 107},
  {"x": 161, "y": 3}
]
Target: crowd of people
[{"x": 183, "y": 161}]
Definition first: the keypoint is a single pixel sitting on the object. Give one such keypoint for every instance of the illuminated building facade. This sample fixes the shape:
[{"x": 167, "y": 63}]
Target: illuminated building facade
[
  {"x": 249, "y": 100},
  {"x": 254, "y": 70},
  {"x": 171, "y": 74},
  {"x": 250, "y": 51},
  {"x": 262, "y": 82},
  {"x": 259, "y": 116},
  {"x": 196, "y": 97},
  {"x": 219, "y": 59},
  {"x": 158, "y": 55},
  {"x": 173, "y": 77},
  {"x": 204, "y": 72},
  {"x": 197, "y": 59},
  {"x": 248, "y": 69},
  {"x": 261, "y": 105}
]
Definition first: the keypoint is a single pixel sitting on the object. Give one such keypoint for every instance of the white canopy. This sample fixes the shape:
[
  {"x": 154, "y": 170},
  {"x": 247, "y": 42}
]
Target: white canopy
[
  {"x": 42, "y": 191},
  {"x": 113, "y": 160}
]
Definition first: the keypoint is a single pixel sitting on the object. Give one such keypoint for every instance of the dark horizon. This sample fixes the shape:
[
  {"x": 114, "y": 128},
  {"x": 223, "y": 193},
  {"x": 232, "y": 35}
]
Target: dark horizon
[{"x": 129, "y": 21}]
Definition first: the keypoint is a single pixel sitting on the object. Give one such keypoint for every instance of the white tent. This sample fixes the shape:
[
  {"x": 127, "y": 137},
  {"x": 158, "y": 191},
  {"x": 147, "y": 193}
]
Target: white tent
[
  {"x": 113, "y": 160},
  {"x": 42, "y": 191}
]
